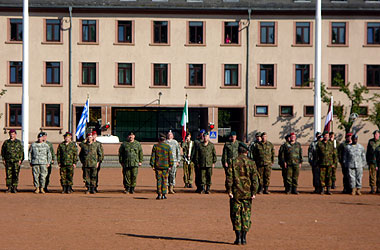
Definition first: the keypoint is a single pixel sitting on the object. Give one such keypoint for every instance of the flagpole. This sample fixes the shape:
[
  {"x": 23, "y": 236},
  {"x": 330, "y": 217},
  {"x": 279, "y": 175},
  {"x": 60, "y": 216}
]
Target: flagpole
[
  {"x": 317, "y": 82},
  {"x": 25, "y": 78}
]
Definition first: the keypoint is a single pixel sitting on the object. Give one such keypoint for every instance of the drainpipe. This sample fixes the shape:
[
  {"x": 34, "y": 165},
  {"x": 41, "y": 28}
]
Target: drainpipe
[
  {"x": 247, "y": 79},
  {"x": 70, "y": 101}
]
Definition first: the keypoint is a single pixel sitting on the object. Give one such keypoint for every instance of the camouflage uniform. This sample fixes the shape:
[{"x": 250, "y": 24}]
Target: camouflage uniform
[
  {"x": 251, "y": 150},
  {"x": 12, "y": 153},
  {"x": 312, "y": 156},
  {"x": 293, "y": 158},
  {"x": 197, "y": 171},
  {"x": 89, "y": 156},
  {"x": 371, "y": 160},
  {"x": 130, "y": 155},
  {"x": 101, "y": 157},
  {"x": 346, "y": 178},
  {"x": 327, "y": 157},
  {"x": 377, "y": 155},
  {"x": 205, "y": 158},
  {"x": 174, "y": 146},
  {"x": 264, "y": 158},
  {"x": 230, "y": 153},
  {"x": 354, "y": 159},
  {"x": 281, "y": 161},
  {"x": 334, "y": 167},
  {"x": 39, "y": 157},
  {"x": 188, "y": 164},
  {"x": 67, "y": 156},
  {"x": 50, "y": 164},
  {"x": 161, "y": 160},
  {"x": 242, "y": 182}
]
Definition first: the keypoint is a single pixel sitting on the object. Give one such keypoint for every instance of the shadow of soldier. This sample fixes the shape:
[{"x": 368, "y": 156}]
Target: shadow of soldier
[{"x": 289, "y": 124}]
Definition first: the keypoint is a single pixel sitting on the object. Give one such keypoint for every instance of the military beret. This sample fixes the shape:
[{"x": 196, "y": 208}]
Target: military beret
[
  {"x": 376, "y": 131},
  {"x": 263, "y": 133},
  {"x": 318, "y": 134},
  {"x": 354, "y": 136},
  {"x": 243, "y": 145},
  {"x": 348, "y": 134},
  {"x": 206, "y": 133},
  {"x": 67, "y": 133},
  {"x": 292, "y": 134},
  {"x": 258, "y": 134},
  {"x": 130, "y": 133},
  {"x": 162, "y": 136},
  {"x": 331, "y": 133},
  {"x": 88, "y": 134},
  {"x": 233, "y": 133},
  {"x": 40, "y": 134},
  {"x": 325, "y": 133},
  {"x": 202, "y": 131},
  {"x": 12, "y": 131},
  {"x": 94, "y": 133}
]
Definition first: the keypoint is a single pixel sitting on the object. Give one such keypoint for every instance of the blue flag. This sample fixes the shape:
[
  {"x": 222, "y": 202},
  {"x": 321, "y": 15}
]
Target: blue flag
[{"x": 85, "y": 117}]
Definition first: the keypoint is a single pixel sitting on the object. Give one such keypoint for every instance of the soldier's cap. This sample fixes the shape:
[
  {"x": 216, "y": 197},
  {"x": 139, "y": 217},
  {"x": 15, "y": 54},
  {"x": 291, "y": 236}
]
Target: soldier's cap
[
  {"x": 12, "y": 131},
  {"x": 40, "y": 134},
  {"x": 232, "y": 133},
  {"x": 243, "y": 145},
  {"x": 263, "y": 133},
  {"x": 292, "y": 134},
  {"x": 354, "y": 136},
  {"x": 287, "y": 136},
  {"x": 376, "y": 131},
  {"x": 68, "y": 133},
  {"x": 88, "y": 134},
  {"x": 325, "y": 133},
  {"x": 331, "y": 133},
  {"x": 187, "y": 134},
  {"x": 162, "y": 136},
  {"x": 318, "y": 134},
  {"x": 130, "y": 133},
  {"x": 202, "y": 131},
  {"x": 258, "y": 134},
  {"x": 348, "y": 134},
  {"x": 206, "y": 133},
  {"x": 94, "y": 133},
  {"x": 44, "y": 133}
]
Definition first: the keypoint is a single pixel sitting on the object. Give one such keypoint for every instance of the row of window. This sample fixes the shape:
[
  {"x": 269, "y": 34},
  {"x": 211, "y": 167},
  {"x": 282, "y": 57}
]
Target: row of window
[
  {"x": 196, "y": 32},
  {"x": 161, "y": 72}
]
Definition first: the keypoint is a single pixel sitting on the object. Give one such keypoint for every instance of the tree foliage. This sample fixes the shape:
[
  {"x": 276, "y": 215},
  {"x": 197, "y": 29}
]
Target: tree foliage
[
  {"x": 374, "y": 116},
  {"x": 2, "y": 92}
]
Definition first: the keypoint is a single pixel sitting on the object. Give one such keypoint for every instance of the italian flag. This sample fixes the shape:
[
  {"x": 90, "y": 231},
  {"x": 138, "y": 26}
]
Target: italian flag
[
  {"x": 185, "y": 119},
  {"x": 329, "y": 116}
]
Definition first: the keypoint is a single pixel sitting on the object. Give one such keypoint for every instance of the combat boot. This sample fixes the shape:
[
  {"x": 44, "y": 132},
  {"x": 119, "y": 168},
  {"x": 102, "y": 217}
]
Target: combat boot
[
  {"x": 92, "y": 190},
  {"x": 8, "y": 190},
  {"x": 164, "y": 197},
  {"x": 37, "y": 190},
  {"x": 328, "y": 191},
  {"x": 358, "y": 191},
  {"x": 207, "y": 189},
  {"x": 260, "y": 191},
  {"x": 378, "y": 190},
  {"x": 190, "y": 185},
  {"x": 294, "y": 190},
  {"x": 132, "y": 190},
  {"x": 353, "y": 191},
  {"x": 372, "y": 190},
  {"x": 14, "y": 190},
  {"x": 69, "y": 189},
  {"x": 238, "y": 238},
  {"x": 87, "y": 190},
  {"x": 266, "y": 190},
  {"x": 42, "y": 191},
  {"x": 202, "y": 189},
  {"x": 333, "y": 185},
  {"x": 287, "y": 189},
  {"x": 159, "y": 197},
  {"x": 171, "y": 190},
  {"x": 243, "y": 237},
  {"x": 64, "y": 189}
]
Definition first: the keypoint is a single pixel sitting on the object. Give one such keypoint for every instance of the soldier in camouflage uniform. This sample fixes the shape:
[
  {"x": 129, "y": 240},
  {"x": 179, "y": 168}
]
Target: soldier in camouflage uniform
[
  {"x": 242, "y": 182},
  {"x": 312, "y": 156},
  {"x": 176, "y": 151},
  {"x": 346, "y": 177},
  {"x": 292, "y": 163},
  {"x": 90, "y": 157},
  {"x": 205, "y": 160},
  {"x": 161, "y": 161},
  {"x": 230, "y": 153},
  {"x": 130, "y": 157},
  {"x": 335, "y": 166},
  {"x": 40, "y": 158},
  {"x": 196, "y": 169},
  {"x": 67, "y": 158},
  {"x": 12, "y": 153},
  {"x": 51, "y": 163},
  {"x": 264, "y": 158},
  {"x": 327, "y": 157},
  {"x": 251, "y": 151},
  {"x": 101, "y": 153},
  {"x": 281, "y": 159},
  {"x": 188, "y": 164},
  {"x": 371, "y": 147}
]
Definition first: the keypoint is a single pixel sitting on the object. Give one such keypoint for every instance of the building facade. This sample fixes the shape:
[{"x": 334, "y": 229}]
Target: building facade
[{"x": 243, "y": 65}]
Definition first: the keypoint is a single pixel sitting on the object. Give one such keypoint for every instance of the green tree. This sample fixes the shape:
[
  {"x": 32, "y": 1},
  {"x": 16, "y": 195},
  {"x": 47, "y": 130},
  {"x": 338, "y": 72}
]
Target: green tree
[
  {"x": 374, "y": 116},
  {"x": 2, "y": 92}
]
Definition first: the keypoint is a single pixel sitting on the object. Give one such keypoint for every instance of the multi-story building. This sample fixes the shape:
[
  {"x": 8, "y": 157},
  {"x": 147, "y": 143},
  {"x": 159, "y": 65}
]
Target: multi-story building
[{"x": 244, "y": 65}]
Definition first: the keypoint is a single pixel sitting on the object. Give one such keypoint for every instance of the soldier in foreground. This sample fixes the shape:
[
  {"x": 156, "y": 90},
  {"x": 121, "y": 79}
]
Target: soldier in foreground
[
  {"x": 99, "y": 148},
  {"x": 12, "y": 153},
  {"x": 130, "y": 157},
  {"x": 161, "y": 161},
  {"x": 50, "y": 165},
  {"x": 264, "y": 158},
  {"x": 312, "y": 156},
  {"x": 371, "y": 160},
  {"x": 175, "y": 149},
  {"x": 293, "y": 163},
  {"x": 230, "y": 153},
  {"x": 67, "y": 158},
  {"x": 188, "y": 164},
  {"x": 341, "y": 151},
  {"x": 241, "y": 188},
  {"x": 281, "y": 159}
]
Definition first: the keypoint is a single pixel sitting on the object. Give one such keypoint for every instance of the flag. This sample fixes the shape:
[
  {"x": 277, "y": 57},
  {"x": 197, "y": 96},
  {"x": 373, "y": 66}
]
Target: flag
[
  {"x": 184, "y": 120},
  {"x": 329, "y": 116},
  {"x": 85, "y": 117}
]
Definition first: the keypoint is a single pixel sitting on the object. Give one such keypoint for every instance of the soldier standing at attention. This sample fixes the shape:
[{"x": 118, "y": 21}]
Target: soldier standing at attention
[
  {"x": 281, "y": 159},
  {"x": 371, "y": 147},
  {"x": 90, "y": 158},
  {"x": 251, "y": 150},
  {"x": 241, "y": 188},
  {"x": 161, "y": 161},
  {"x": 130, "y": 157},
  {"x": 176, "y": 151},
  {"x": 188, "y": 164},
  {"x": 205, "y": 161},
  {"x": 264, "y": 158},
  {"x": 341, "y": 151},
  {"x": 40, "y": 158},
  {"x": 377, "y": 155},
  {"x": 327, "y": 157},
  {"x": 293, "y": 163},
  {"x": 12, "y": 153},
  {"x": 67, "y": 158},
  {"x": 49, "y": 167},
  {"x": 230, "y": 153},
  {"x": 333, "y": 170},
  {"x": 99, "y": 148},
  {"x": 196, "y": 169},
  {"x": 312, "y": 156}
]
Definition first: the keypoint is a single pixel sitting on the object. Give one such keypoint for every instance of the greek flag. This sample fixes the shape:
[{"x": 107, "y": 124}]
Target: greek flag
[{"x": 81, "y": 128}]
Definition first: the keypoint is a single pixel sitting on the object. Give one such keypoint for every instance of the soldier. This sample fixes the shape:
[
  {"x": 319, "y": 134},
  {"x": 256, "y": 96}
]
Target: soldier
[
  {"x": 130, "y": 157},
  {"x": 242, "y": 182},
  {"x": 49, "y": 167},
  {"x": 281, "y": 159},
  {"x": 264, "y": 158},
  {"x": 161, "y": 161},
  {"x": 90, "y": 157},
  {"x": 371, "y": 147},
  {"x": 333, "y": 170},
  {"x": 176, "y": 151},
  {"x": 346, "y": 177},
  {"x": 205, "y": 161},
  {"x": 67, "y": 158},
  {"x": 230, "y": 153},
  {"x": 312, "y": 156},
  {"x": 196, "y": 170},
  {"x": 12, "y": 153},
  {"x": 188, "y": 164},
  {"x": 377, "y": 155},
  {"x": 99, "y": 148},
  {"x": 354, "y": 159},
  {"x": 327, "y": 157},
  {"x": 292, "y": 164},
  {"x": 252, "y": 146},
  {"x": 39, "y": 157}
]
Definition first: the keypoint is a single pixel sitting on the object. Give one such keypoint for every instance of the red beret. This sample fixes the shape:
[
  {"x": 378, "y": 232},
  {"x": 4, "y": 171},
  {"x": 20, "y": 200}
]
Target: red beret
[
  {"x": 292, "y": 133},
  {"x": 349, "y": 134},
  {"x": 88, "y": 134},
  {"x": 12, "y": 131},
  {"x": 94, "y": 133}
]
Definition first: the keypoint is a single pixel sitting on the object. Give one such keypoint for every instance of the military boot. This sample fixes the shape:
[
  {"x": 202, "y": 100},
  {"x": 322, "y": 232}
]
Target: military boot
[
  {"x": 243, "y": 237},
  {"x": 14, "y": 190},
  {"x": 378, "y": 190},
  {"x": 87, "y": 190},
  {"x": 353, "y": 191},
  {"x": 64, "y": 189},
  {"x": 207, "y": 189},
  {"x": 333, "y": 185},
  {"x": 42, "y": 191},
  {"x": 92, "y": 190},
  {"x": 294, "y": 190},
  {"x": 159, "y": 197},
  {"x": 260, "y": 191},
  {"x": 164, "y": 197},
  {"x": 69, "y": 189},
  {"x": 372, "y": 190},
  {"x": 358, "y": 191},
  {"x": 202, "y": 189},
  {"x": 238, "y": 238},
  {"x": 37, "y": 190},
  {"x": 126, "y": 191},
  {"x": 328, "y": 191},
  {"x": 132, "y": 190},
  {"x": 171, "y": 190},
  {"x": 287, "y": 189},
  {"x": 266, "y": 190},
  {"x": 8, "y": 190}
]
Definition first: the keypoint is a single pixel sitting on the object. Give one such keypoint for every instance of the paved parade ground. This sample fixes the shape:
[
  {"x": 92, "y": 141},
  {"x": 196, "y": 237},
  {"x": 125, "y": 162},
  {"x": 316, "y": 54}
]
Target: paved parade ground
[{"x": 113, "y": 220}]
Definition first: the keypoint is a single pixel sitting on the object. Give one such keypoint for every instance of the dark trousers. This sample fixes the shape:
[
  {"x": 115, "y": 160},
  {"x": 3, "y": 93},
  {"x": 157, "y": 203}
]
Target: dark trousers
[
  {"x": 316, "y": 177},
  {"x": 97, "y": 174}
]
